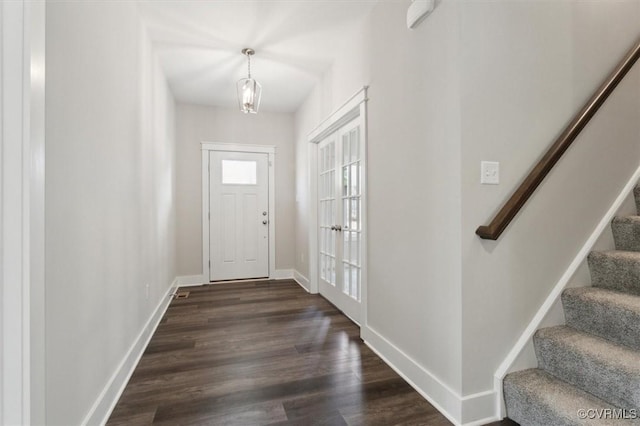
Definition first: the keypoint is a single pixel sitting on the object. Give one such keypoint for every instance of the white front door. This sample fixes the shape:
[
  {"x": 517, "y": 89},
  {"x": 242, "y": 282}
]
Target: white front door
[
  {"x": 239, "y": 206},
  {"x": 340, "y": 218}
]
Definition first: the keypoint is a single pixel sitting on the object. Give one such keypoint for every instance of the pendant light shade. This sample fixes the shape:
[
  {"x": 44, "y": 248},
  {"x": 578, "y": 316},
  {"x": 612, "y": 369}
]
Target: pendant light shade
[{"x": 249, "y": 90}]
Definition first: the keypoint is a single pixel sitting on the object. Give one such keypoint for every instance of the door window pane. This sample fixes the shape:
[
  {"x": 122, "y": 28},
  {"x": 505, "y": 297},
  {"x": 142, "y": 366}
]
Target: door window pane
[
  {"x": 333, "y": 272},
  {"x": 355, "y": 283},
  {"x": 354, "y": 215},
  {"x": 345, "y": 213},
  {"x": 355, "y": 179},
  {"x": 346, "y": 250},
  {"x": 355, "y": 145},
  {"x": 346, "y": 278},
  {"x": 345, "y": 149},
  {"x": 354, "y": 256},
  {"x": 236, "y": 172},
  {"x": 345, "y": 181}
]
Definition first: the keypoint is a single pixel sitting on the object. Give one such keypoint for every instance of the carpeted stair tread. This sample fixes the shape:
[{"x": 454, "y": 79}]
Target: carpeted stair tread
[
  {"x": 595, "y": 365},
  {"x": 536, "y": 398},
  {"x": 606, "y": 313},
  {"x": 615, "y": 269},
  {"x": 626, "y": 232},
  {"x": 593, "y": 362}
]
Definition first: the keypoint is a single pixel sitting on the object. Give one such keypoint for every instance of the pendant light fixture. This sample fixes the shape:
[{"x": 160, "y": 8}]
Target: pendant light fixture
[{"x": 249, "y": 90}]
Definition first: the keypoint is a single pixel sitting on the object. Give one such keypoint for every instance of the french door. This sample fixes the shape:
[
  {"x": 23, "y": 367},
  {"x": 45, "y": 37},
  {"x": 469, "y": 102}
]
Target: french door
[
  {"x": 239, "y": 218},
  {"x": 340, "y": 219}
]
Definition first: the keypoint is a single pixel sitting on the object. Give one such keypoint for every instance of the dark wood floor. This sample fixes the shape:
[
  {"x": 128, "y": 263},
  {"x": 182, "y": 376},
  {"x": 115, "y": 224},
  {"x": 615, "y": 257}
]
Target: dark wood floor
[{"x": 264, "y": 353}]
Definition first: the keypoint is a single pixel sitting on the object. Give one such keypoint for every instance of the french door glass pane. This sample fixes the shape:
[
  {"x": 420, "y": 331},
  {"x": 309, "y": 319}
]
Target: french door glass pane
[
  {"x": 346, "y": 247},
  {"x": 354, "y": 256},
  {"x": 345, "y": 149},
  {"x": 345, "y": 181},
  {"x": 354, "y": 179},
  {"x": 333, "y": 272},
  {"x": 354, "y": 214},
  {"x": 355, "y": 283},
  {"x": 346, "y": 285},
  {"x": 355, "y": 145}
]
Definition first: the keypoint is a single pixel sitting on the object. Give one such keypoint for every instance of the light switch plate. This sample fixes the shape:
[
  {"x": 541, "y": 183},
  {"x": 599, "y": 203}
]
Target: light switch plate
[{"x": 489, "y": 172}]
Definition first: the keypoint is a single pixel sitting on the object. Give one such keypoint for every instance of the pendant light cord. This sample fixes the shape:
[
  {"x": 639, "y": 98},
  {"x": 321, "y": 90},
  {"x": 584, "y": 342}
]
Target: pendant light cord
[{"x": 249, "y": 65}]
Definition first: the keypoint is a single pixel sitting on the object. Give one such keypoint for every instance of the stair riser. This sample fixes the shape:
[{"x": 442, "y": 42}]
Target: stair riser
[
  {"x": 626, "y": 235},
  {"x": 604, "y": 320},
  {"x": 622, "y": 274},
  {"x": 611, "y": 383},
  {"x": 521, "y": 410}
]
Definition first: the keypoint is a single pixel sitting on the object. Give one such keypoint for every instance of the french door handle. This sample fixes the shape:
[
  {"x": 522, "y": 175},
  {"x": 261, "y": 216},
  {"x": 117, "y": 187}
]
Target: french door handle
[
  {"x": 333, "y": 227},
  {"x": 338, "y": 228}
]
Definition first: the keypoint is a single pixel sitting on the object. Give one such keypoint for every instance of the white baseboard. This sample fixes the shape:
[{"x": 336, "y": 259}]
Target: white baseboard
[
  {"x": 479, "y": 408},
  {"x": 471, "y": 410},
  {"x": 556, "y": 292},
  {"x": 282, "y": 274},
  {"x": 197, "y": 280},
  {"x": 191, "y": 280},
  {"x": 106, "y": 401},
  {"x": 302, "y": 280}
]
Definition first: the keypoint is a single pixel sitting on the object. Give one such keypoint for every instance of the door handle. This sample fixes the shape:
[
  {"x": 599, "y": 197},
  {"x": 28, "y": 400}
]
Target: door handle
[
  {"x": 333, "y": 228},
  {"x": 264, "y": 222},
  {"x": 338, "y": 228}
]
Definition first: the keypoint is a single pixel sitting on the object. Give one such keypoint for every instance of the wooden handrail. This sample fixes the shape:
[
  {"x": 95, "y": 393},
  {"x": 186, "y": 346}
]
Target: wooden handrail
[{"x": 508, "y": 211}]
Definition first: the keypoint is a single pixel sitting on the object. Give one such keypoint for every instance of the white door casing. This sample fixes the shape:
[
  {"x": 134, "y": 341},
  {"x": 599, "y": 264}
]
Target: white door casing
[
  {"x": 348, "y": 121},
  {"x": 260, "y": 262},
  {"x": 239, "y": 207},
  {"x": 22, "y": 125}
]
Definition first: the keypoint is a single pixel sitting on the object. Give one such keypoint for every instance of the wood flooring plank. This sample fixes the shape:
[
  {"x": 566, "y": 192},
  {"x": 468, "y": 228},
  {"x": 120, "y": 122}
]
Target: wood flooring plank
[
  {"x": 330, "y": 418},
  {"x": 392, "y": 409},
  {"x": 240, "y": 376},
  {"x": 504, "y": 422},
  {"x": 258, "y": 353},
  {"x": 253, "y": 414},
  {"x": 132, "y": 416},
  {"x": 205, "y": 406},
  {"x": 349, "y": 398},
  {"x": 155, "y": 347}
]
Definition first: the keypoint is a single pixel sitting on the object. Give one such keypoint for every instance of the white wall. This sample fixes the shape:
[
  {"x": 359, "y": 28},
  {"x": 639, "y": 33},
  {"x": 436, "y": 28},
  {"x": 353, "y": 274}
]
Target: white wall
[
  {"x": 351, "y": 74},
  {"x": 478, "y": 80},
  {"x": 414, "y": 188},
  {"x": 413, "y": 180},
  {"x": 196, "y": 124},
  {"x": 110, "y": 197},
  {"x": 534, "y": 66}
]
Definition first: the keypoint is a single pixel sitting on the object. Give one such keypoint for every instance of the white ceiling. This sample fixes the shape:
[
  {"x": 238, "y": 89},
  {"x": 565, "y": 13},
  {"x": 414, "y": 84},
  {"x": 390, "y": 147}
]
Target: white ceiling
[{"x": 199, "y": 44}]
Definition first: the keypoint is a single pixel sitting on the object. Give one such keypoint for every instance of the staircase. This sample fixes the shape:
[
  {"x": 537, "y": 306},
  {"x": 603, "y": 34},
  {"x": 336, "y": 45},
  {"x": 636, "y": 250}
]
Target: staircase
[{"x": 589, "y": 369}]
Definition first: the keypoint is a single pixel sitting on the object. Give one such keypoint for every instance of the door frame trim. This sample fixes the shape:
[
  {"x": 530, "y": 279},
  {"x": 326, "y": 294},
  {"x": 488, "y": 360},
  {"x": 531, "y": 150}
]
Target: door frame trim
[
  {"x": 207, "y": 147},
  {"x": 22, "y": 212},
  {"x": 354, "y": 107}
]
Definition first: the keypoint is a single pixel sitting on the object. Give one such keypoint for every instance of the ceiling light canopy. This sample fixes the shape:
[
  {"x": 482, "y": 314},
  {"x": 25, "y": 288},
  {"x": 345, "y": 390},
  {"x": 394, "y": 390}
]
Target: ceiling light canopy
[{"x": 249, "y": 90}]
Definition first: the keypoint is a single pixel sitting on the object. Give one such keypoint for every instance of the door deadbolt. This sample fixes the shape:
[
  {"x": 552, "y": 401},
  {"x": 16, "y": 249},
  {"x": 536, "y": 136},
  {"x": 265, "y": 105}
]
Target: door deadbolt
[{"x": 264, "y": 213}]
